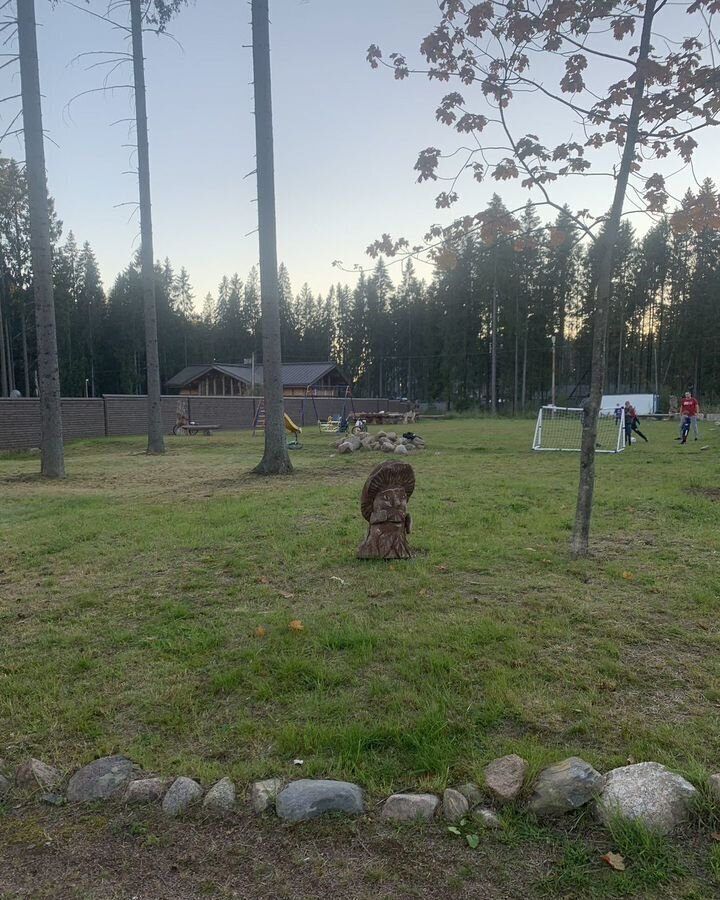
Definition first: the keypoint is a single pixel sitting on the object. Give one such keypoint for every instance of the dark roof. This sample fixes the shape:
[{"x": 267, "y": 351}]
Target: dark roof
[{"x": 293, "y": 374}]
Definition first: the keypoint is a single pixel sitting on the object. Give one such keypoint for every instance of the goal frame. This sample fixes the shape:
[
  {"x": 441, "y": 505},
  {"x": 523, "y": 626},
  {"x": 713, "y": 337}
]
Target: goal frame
[{"x": 545, "y": 410}]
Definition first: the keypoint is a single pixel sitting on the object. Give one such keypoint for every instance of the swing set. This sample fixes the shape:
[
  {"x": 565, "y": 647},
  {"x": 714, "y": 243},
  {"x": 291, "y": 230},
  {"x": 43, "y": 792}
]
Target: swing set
[{"x": 333, "y": 424}]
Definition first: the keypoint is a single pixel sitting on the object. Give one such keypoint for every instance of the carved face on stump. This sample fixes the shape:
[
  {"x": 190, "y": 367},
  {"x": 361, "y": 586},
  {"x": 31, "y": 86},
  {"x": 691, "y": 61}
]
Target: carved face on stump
[{"x": 384, "y": 505}]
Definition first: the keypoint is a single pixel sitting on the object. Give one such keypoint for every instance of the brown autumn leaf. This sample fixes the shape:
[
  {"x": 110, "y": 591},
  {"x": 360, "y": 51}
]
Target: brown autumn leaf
[
  {"x": 286, "y": 594},
  {"x": 614, "y": 860},
  {"x": 443, "y": 568},
  {"x": 296, "y": 625},
  {"x": 260, "y": 631},
  {"x": 263, "y": 579},
  {"x": 628, "y": 576}
]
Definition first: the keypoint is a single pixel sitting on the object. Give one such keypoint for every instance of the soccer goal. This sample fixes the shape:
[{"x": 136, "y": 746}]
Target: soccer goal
[{"x": 560, "y": 428}]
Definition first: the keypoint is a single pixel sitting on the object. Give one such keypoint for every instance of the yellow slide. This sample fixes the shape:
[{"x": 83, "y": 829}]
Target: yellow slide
[{"x": 291, "y": 426}]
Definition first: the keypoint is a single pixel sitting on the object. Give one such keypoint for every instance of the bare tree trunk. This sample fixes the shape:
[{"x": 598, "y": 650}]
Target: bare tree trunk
[
  {"x": 156, "y": 443},
  {"x": 276, "y": 459},
  {"x": 583, "y": 512},
  {"x": 493, "y": 340},
  {"x": 52, "y": 456},
  {"x": 4, "y": 382},
  {"x": 26, "y": 361}
]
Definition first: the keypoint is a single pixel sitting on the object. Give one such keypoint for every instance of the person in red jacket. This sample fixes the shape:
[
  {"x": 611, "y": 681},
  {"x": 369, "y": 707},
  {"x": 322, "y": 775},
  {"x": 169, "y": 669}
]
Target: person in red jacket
[{"x": 689, "y": 409}]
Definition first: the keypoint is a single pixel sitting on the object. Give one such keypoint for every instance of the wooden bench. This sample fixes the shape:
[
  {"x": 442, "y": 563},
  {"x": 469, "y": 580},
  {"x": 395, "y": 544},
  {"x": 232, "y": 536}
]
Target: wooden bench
[{"x": 194, "y": 428}]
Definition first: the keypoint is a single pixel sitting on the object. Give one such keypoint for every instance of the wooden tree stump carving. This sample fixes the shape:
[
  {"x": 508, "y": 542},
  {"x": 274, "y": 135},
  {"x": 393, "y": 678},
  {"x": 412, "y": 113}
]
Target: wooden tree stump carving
[{"x": 383, "y": 504}]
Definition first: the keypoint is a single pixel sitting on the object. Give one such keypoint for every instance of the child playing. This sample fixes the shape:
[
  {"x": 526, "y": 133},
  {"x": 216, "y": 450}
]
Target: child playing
[{"x": 631, "y": 423}]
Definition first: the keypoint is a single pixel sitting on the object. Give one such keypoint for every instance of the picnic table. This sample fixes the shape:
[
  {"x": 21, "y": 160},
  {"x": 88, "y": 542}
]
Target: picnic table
[
  {"x": 382, "y": 417},
  {"x": 194, "y": 428}
]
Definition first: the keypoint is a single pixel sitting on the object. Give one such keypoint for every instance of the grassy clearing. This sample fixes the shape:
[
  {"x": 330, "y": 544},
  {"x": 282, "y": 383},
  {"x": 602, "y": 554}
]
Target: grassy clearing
[{"x": 131, "y": 592}]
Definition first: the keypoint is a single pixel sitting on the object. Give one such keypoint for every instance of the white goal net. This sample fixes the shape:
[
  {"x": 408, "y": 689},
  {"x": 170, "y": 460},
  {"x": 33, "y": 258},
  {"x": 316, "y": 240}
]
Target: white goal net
[{"x": 560, "y": 428}]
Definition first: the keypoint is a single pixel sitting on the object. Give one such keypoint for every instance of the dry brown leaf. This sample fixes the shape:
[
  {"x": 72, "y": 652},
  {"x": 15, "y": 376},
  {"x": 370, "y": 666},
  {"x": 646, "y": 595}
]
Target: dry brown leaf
[
  {"x": 715, "y": 835},
  {"x": 260, "y": 631},
  {"x": 296, "y": 625},
  {"x": 614, "y": 860},
  {"x": 286, "y": 594},
  {"x": 443, "y": 567},
  {"x": 263, "y": 579},
  {"x": 628, "y": 576}
]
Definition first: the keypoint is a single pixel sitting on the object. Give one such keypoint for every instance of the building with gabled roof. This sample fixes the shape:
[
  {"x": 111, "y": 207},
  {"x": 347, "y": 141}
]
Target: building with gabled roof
[{"x": 323, "y": 379}]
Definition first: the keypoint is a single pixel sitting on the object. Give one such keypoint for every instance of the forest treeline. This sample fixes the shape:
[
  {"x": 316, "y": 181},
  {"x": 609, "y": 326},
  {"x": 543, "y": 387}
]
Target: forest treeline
[{"x": 407, "y": 330}]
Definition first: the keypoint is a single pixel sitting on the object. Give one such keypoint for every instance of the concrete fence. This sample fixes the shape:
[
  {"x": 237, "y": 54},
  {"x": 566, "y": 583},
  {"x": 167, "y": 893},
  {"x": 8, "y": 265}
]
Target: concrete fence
[{"x": 115, "y": 415}]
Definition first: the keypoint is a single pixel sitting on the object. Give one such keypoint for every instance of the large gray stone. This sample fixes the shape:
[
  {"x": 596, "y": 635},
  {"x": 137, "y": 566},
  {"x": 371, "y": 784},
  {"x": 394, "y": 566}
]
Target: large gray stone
[
  {"x": 410, "y": 807},
  {"x": 646, "y": 792},
  {"x": 263, "y": 794},
  {"x": 221, "y": 796},
  {"x": 472, "y": 793},
  {"x": 308, "y": 798},
  {"x": 455, "y": 805},
  {"x": 714, "y": 783},
  {"x": 102, "y": 779},
  {"x": 566, "y": 786},
  {"x": 505, "y": 777},
  {"x": 181, "y": 795},
  {"x": 146, "y": 790},
  {"x": 35, "y": 773}
]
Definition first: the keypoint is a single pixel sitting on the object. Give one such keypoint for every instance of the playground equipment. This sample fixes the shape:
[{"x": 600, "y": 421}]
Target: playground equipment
[
  {"x": 335, "y": 423},
  {"x": 295, "y": 431}
]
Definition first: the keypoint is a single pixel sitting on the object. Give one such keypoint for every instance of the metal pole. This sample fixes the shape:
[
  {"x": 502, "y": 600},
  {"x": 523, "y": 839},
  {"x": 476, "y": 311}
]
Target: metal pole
[{"x": 552, "y": 390}]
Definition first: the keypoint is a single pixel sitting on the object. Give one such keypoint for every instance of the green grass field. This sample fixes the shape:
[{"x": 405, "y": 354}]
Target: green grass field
[{"x": 130, "y": 595}]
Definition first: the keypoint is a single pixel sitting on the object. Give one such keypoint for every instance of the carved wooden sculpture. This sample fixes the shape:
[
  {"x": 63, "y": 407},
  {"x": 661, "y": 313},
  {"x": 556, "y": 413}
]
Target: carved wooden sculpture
[{"x": 384, "y": 503}]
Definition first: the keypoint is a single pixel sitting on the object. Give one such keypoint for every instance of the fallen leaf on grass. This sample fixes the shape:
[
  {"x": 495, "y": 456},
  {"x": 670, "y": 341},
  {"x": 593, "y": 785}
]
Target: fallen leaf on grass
[
  {"x": 715, "y": 835},
  {"x": 263, "y": 580},
  {"x": 473, "y": 840},
  {"x": 337, "y": 578},
  {"x": 260, "y": 631},
  {"x": 614, "y": 860},
  {"x": 628, "y": 576},
  {"x": 443, "y": 568},
  {"x": 286, "y": 594},
  {"x": 296, "y": 625}
]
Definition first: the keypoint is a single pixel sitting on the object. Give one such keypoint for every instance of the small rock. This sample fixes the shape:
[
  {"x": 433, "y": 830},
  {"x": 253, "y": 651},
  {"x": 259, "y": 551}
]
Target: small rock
[
  {"x": 410, "y": 807},
  {"x": 35, "y": 773},
  {"x": 472, "y": 793},
  {"x": 345, "y": 447},
  {"x": 566, "y": 786},
  {"x": 392, "y": 435},
  {"x": 263, "y": 794},
  {"x": 401, "y": 449},
  {"x": 308, "y": 798},
  {"x": 646, "y": 792},
  {"x": 487, "y": 817},
  {"x": 146, "y": 790},
  {"x": 714, "y": 784},
  {"x": 102, "y": 779},
  {"x": 53, "y": 799},
  {"x": 182, "y": 793},
  {"x": 455, "y": 805},
  {"x": 504, "y": 777},
  {"x": 221, "y": 796},
  {"x": 4, "y": 786}
]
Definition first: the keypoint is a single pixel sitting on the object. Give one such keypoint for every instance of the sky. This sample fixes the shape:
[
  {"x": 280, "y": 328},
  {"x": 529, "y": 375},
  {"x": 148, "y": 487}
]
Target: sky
[{"x": 346, "y": 137}]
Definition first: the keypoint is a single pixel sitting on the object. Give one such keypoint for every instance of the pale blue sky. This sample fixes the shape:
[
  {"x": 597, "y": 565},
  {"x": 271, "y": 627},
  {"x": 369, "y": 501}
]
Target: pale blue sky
[{"x": 346, "y": 137}]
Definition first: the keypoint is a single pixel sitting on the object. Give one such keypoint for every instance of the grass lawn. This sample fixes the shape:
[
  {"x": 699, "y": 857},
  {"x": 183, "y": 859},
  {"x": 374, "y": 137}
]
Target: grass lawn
[{"x": 130, "y": 595}]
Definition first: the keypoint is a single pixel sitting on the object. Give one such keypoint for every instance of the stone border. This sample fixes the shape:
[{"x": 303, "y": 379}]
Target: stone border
[{"x": 646, "y": 792}]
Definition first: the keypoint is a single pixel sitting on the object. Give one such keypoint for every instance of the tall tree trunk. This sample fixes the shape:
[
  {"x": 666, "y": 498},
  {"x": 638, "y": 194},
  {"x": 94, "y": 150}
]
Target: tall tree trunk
[
  {"x": 580, "y": 544},
  {"x": 276, "y": 459},
  {"x": 156, "y": 443},
  {"x": 52, "y": 456},
  {"x": 4, "y": 381},
  {"x": 26, "y": 360}
]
